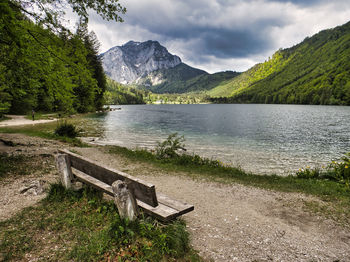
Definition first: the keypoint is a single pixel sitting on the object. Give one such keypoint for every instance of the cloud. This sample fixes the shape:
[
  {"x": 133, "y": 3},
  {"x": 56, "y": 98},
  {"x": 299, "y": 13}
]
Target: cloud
[{"x": 221, "y": 34}]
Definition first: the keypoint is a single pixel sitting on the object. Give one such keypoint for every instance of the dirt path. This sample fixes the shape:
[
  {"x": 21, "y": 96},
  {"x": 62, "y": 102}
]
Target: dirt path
[
  {"x": 240, "y": 223},
  {"x": 235, "y": 222},
  {"x": 20, "y": 120}
]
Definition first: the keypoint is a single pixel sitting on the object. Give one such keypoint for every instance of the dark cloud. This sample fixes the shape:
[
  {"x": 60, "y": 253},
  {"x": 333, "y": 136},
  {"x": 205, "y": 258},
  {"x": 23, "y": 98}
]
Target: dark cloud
[
  {"x": 222, "y": 37},
  {"x": 202, "y": 31},
  {"x": 303, "y": 2}
]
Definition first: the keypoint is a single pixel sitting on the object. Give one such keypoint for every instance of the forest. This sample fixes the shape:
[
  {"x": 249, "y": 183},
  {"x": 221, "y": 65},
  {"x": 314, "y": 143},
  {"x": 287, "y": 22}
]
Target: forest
[
  {"x": 43, "y": 65},
  {"x": 316, "y": 71},
  {"x": 118, "y": 94}
]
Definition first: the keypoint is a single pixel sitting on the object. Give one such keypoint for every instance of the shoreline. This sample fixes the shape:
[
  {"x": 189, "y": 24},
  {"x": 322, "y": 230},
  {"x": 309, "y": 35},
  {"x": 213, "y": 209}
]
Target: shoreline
[{"x": 253, "y": 223}]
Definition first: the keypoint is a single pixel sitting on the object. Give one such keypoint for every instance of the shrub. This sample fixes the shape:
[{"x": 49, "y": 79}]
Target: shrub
[
  {"x": 170, "y": 147},
  {"x": 167, "y": 151},
  {"x": 67, "y": 130}
]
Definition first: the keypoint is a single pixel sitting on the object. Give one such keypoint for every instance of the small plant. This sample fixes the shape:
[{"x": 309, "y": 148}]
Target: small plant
[
  {"x": 308, "y": 173},
  {"x": 170, "y": 147},
  {"x": 336, "y": 171},
  {"x": 340, "y": 171},
  {"x": 67, "y": 130}
]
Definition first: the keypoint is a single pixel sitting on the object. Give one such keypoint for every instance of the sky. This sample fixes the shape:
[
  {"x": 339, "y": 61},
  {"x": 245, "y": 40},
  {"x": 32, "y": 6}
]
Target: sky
[{"x": 220, "y": 35}]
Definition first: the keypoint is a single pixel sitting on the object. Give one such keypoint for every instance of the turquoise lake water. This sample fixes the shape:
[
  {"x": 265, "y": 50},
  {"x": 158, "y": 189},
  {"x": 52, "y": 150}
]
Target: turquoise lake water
[{"x": 260, "y": 138}]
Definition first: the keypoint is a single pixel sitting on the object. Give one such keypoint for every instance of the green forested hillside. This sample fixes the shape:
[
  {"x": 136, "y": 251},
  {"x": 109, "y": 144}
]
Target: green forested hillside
[
  {"x": 173, "y": 80},
  {"x": 209, "y": 81},
  {"x": 118, "y": 94},
  {"x": 256, "y": 73},
  {"x": 316, "y": 71},
  {"x": 45, "y": 67},
  {"x": 184, "y": 79}
]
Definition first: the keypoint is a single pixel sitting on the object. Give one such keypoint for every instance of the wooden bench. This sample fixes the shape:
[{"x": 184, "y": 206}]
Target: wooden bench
[{"x": 75, "y": 167}]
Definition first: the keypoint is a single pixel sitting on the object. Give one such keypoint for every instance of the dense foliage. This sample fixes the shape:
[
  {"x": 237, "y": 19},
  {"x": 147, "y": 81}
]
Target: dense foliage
[
  {"x": 46, "y": 69},
  {"x": 316, "y": 71},
  {"x": 118, "y": 94}
]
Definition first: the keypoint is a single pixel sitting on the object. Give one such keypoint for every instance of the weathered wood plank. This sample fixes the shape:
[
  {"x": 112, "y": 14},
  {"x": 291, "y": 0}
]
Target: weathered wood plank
[
  {"x": 64, "y": 168},
  {"x": 163, "y": 212},
  {"x": 93, "y": 182},
  {"x": 181, "y": 207},
  {"x": 142, "y": 190}
]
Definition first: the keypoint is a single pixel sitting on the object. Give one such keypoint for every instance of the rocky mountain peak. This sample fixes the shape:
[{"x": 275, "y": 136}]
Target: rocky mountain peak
[{"x": 130, "y": 62}]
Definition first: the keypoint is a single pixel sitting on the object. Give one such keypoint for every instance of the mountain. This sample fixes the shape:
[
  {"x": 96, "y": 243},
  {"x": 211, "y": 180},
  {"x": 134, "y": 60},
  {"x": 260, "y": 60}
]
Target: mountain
[
  {"x": 316, "y": 71},
  {"x": 150, "y": 66},
  {"x": 128, "y": 63}
]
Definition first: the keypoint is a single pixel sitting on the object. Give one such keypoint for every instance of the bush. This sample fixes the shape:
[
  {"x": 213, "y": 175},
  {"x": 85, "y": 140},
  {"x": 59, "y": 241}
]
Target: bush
[
  {"x": 167, "y": 151},
  {"x": 66, "y": 130},
  {"x": 170, "y": 147}
]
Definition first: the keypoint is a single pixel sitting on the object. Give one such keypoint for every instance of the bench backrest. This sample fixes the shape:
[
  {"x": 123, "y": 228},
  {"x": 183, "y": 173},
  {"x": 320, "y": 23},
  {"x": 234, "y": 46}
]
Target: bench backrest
[{"x": 143, "y": 191}]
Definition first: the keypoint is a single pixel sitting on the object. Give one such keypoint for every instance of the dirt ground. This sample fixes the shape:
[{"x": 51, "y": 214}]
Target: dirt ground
[
  {"x": 20, "y": 120},
  {"x": 230, "y": 222}
]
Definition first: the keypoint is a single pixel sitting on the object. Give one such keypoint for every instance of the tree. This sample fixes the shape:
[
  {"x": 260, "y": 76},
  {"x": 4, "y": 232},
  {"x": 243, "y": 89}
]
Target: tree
[
  {"x": 50, "y": 12},
  {"x": 93, "y": 45},
  {"x": 45, "y": 66}
]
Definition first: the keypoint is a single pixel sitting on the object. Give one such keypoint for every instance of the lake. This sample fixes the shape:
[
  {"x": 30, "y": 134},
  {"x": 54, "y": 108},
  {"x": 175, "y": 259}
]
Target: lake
[{"x": 259, "y": 138}]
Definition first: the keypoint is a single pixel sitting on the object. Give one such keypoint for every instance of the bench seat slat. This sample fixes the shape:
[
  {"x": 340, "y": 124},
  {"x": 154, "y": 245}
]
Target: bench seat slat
[
  {"x": 166, "y": 210},
  {"x": 178, "y": 205},
  {"x": 162, "y": 212},
  {"x": 92, "y": 181}
]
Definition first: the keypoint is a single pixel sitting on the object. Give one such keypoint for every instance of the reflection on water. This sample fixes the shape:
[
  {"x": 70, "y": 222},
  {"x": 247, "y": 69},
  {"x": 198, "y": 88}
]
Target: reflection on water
[{"x": 259, "y": 138}]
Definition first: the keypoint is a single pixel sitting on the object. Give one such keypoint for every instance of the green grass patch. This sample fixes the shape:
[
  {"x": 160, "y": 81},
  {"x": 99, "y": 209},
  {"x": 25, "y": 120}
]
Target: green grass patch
[
  {"x": 336, "y": 194},
  {"x": 214, "y": 169},
  {"x": 81, "y": 226},
  {"x": 45, "y": 130}
]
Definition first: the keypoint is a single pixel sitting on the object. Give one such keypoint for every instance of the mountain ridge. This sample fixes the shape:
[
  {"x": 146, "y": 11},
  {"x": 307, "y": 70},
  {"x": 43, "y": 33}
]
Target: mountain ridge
[
  {"x": 128, "y": 63},
  {"x": 315, "y": 71}
]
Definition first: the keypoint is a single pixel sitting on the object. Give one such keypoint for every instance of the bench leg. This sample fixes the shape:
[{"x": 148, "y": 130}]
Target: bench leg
[
  {"x": 125, "y": 200},
  {"x": 64, "y": 168}
]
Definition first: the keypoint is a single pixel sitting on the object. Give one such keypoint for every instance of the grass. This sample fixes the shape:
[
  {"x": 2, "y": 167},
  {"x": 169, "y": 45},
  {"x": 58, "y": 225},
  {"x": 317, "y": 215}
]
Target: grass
[
  {"x": 45, "y": 130},
  {"x": 83, "y": 123},
  {"x": 330, "y": 191},
  {"x": 82, "y": 226},
  {"x": 336, "y": 195}
]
